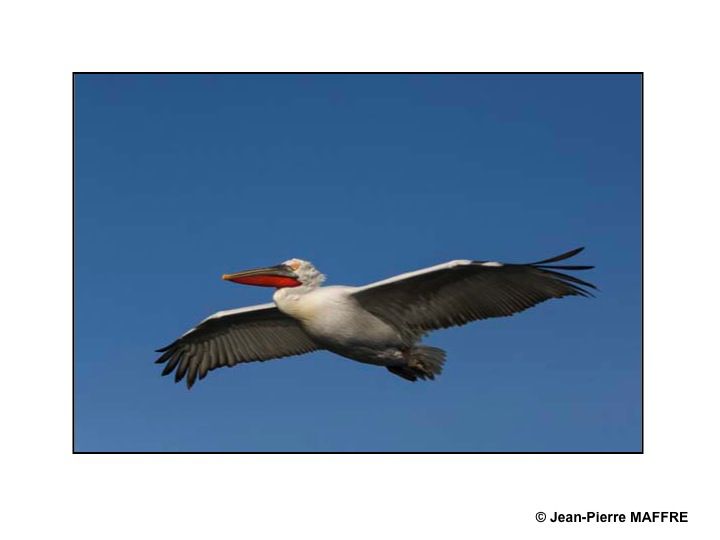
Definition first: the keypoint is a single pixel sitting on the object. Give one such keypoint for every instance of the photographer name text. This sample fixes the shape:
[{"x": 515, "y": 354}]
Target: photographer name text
[{"x": 633, "y": 517}]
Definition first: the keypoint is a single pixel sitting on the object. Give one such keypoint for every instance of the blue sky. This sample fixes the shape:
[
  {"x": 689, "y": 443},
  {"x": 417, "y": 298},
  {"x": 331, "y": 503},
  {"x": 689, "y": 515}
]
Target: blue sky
[{"x": 179, "y": 179}]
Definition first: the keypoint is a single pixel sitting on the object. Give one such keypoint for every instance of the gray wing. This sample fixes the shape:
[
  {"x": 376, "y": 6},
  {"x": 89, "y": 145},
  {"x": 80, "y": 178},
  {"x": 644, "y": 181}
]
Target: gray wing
[
  {"x": 458, "y": 292},
  {"x": 230, "y": 337}
]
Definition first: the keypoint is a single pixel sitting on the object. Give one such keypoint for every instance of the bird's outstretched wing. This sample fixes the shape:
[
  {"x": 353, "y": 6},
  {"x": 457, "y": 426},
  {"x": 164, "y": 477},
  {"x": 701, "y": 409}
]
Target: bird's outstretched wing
[
  {"x": 229, "y": 337},
  {"x": 458, "y": 292}
]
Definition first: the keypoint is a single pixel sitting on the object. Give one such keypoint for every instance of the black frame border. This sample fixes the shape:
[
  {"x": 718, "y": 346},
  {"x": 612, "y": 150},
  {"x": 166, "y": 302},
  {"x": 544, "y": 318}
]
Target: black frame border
[{"x": 642, "y": 248}]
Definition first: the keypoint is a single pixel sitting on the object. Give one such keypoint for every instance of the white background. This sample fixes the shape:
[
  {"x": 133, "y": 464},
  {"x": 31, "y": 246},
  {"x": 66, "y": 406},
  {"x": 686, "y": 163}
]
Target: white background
[{"x": 48, "y": 492}]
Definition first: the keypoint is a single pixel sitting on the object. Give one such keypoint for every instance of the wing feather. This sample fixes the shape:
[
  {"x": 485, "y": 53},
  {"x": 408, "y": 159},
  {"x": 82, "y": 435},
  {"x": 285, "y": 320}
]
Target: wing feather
[
  {"x": 250, "y": 334},
  {"x": 458, "y": 292}
]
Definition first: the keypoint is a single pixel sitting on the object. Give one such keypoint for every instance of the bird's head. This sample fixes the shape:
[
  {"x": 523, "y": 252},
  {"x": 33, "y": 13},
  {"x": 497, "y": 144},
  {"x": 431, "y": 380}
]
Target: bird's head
[{"x": 292, "y": 273}]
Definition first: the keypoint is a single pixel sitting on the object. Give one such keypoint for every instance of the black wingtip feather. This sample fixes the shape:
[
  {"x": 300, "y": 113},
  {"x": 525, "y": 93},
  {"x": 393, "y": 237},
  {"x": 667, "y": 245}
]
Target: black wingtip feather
[
  {"x": 191, "y": 375},
  {"x": 573, "y": 279},
  {"x": 560, "y": 257},
  {"x": 168, "y": 370},
  {"x": 172, "y": 363},
  {"x": 564, "y": 267},
  {"x": 182, "y": 368},
  {"x": 576, "y": 284},
  {"x": 164, "y": 357}
]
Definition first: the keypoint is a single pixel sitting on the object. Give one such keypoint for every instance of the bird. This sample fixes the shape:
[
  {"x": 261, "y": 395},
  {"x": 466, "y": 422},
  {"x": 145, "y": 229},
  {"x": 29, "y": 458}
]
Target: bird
[{"x": 380, "y": 324}]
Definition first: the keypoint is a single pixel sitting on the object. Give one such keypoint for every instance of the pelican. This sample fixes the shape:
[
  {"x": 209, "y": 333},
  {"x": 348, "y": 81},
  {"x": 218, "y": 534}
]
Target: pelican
[{"x": 380, "y": 323}]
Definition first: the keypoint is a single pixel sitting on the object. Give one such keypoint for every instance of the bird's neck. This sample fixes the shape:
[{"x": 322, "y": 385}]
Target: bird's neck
[{"x": 288, "y": 299}]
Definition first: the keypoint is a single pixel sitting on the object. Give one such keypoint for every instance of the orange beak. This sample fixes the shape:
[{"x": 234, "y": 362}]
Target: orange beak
[{"x": 272, "y": 276}]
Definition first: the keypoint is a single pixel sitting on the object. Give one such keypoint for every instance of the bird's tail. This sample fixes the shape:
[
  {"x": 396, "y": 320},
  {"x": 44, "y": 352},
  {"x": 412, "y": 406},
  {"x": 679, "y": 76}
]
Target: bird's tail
[{"x": 423, "y": 363}]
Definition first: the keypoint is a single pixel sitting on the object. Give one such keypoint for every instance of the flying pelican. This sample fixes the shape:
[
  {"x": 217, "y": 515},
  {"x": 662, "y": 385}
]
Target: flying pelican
[{"x": 380, "y": 323}]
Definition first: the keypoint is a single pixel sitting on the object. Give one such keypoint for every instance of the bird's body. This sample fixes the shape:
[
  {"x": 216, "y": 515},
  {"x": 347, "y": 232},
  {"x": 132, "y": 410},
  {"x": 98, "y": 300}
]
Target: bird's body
[
  {"x": 334, "y": 319},
  {"x": 380, "y": 323}
]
